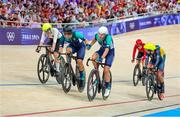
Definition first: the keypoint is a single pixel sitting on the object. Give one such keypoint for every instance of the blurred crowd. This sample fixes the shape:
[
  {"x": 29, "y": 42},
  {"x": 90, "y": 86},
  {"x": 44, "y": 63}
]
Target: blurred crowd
[{"x": 25, "y": 12}]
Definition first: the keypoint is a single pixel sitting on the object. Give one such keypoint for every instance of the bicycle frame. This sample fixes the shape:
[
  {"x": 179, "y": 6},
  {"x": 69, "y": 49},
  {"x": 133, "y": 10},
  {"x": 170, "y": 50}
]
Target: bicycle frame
[
  {"x": 69, "y": 62},
  {"x": 48, "y": 53},
  {"x": 97, "y": 70},
  {"x": 153, "y": 72}
]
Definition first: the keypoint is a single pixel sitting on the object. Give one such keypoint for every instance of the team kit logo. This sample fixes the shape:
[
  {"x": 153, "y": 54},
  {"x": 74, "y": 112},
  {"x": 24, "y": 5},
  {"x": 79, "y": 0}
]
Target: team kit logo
[{"x": 10, "y": 36}]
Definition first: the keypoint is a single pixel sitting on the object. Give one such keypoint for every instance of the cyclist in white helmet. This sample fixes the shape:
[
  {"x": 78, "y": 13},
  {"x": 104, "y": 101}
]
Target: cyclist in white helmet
[
  {"x": 106, "y": 52},
  {"x": 54, "y": 36}
]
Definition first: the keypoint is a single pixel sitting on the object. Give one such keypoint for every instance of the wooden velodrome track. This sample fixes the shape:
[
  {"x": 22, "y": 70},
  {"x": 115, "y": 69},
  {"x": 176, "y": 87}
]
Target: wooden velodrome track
[{"x": 21, "y": 93}]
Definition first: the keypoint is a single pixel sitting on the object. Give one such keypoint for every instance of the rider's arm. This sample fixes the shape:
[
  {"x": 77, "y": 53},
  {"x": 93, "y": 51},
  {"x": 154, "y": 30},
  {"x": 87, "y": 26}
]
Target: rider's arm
[
  {"x": 147, "y": 60},
  {"x": 108, "y": 45},
  {"x": 62, "y": 42},
  {"x": 157, "y": 57},
  {"x": 86, "y": 41},
  {"x": 134, "y": 52},
  {"x": 56, "y": 36},
  {"x": 80, "y": 36},
  {"x": 144, "y": 56},
  {"x": 43, "y": 37},
  {"x": 105, "y": 53},
  {"x": 93, "y": 42}
]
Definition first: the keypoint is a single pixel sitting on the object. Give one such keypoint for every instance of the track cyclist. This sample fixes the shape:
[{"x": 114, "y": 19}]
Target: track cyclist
[
  {"x": 106, "y": 52},
  {"x": 77, "y": 44},
  {"x": 155, "y": 58},
  {"x": 139, "y": 45},
  {"x": 53, "y": 36}
]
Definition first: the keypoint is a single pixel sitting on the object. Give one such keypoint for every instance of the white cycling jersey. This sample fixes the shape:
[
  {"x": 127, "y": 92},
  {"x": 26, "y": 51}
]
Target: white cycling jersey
[{"x": 55, "y": 35}]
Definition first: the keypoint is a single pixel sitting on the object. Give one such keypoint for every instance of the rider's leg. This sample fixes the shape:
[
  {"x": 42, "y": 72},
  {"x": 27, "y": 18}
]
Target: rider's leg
[
  {"x": 160, "y": 76},
  {"x": 94, "y": 57},
  {"x": 68, "y": 51},
  {"x": 107, "y": 76},
  {"x": 139, "y": 56},
  {"x": 80, "y": 57},
  {"x": 81, "y": 69},
  {"x": 56, "y": 55},
  {"x": 57, "y": 61},
  {"x": 108, "y": 62}
]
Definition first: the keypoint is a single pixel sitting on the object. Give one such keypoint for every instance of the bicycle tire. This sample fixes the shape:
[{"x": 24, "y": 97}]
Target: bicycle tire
[
  {"x": 91, "y": 83},
  {"x": 43, "y": 60}
]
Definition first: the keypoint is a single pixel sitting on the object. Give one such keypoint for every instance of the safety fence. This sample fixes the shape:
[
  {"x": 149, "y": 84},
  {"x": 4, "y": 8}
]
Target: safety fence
[{"x": 31, "y": 36}]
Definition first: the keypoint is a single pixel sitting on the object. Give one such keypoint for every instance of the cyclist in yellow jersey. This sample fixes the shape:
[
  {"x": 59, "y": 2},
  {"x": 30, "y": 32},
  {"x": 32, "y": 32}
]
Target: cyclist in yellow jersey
[{"x": 155, "y": 57}]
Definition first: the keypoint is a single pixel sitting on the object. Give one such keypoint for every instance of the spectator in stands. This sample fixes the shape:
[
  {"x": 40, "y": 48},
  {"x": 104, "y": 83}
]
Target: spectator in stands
[
  {"x": 177, "y": 7},
  {"x": 75, "y": 11}
]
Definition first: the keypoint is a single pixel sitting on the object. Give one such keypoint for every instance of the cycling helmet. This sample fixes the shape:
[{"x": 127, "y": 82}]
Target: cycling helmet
[
  {"x": 46, "y": 26},
  {"x": 150, "y": 46},
  {"x": 67, "y": 29},
  {"x": 139, "y": 42},
  {"x": 103, "y": 30}
]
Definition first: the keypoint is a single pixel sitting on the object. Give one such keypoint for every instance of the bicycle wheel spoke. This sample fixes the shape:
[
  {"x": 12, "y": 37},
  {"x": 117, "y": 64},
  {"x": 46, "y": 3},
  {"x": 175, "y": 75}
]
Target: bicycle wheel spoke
[
  {"x": 41, "y": 70},
  {"x": 43, "y": 76},
  {"x": 66, "y": 82},
  {"x": 46, "y": 71}
]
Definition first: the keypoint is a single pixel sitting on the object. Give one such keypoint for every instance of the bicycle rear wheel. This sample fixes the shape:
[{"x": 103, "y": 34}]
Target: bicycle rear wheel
[
  {"x": 92, "y": 85},
  {"x": 104, "y": 88},
  {"x": 143, "y": 77},
  {"x": 150, "y": 87},
  {"x": 144, "y": 81},
  {"x": 43, "y": 69},
  {"x": 66, "y": 82},
  {"x": 61, "y": 68},
  {"x": 136, "y": 75}
]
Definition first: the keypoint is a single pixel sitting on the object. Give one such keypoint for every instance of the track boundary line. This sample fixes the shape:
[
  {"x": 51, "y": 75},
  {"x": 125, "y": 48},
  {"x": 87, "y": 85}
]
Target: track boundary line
[
  {"x": 150, "y": 109},
  {"x": 82, "y": 107},
  {"x": 39, "y": 84}
]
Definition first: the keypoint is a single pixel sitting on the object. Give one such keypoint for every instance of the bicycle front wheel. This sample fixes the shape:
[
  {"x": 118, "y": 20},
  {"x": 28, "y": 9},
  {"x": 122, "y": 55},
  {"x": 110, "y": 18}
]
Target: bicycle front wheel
[
  {"x": 92, "y": 85},
  {"x": 67, "y": 77},
  {"x": 61, "y": 69},
  {"x": 150, "y": 87},
  {"x": 136, "y": 75},
  {"x": 43, "y": 69}
]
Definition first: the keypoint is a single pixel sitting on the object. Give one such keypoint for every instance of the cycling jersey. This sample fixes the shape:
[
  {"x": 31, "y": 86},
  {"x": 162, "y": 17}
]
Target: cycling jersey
[
  {"x": 106, "y": 43},
  {"x": 76, "y": 43},
  {"x": 54, "y": 35},
  {"x": 76, "y": 40},
  {"x": 157, "y": 58},
  {"x": 140, "y": 50}
]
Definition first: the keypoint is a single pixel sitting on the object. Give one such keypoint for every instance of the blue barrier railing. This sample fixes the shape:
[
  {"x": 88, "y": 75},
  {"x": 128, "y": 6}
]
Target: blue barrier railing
[{"x": 29, "y": 36}]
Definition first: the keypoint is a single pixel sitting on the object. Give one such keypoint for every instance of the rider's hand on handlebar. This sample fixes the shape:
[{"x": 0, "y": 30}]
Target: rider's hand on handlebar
[
  {"x": 155, "y": 68},
  {"x": 38, "y": 49},
  {"x": 132, "y": 60},
  {"x": 88, "y": 46},
  {"x": 52, "y": 49},
  {"x": 100, "y": 59}
]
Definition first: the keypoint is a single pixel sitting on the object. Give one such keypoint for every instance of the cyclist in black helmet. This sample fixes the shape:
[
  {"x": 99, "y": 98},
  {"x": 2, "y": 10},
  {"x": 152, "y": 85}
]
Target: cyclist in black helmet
[{"x": 77, "y": 44}]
